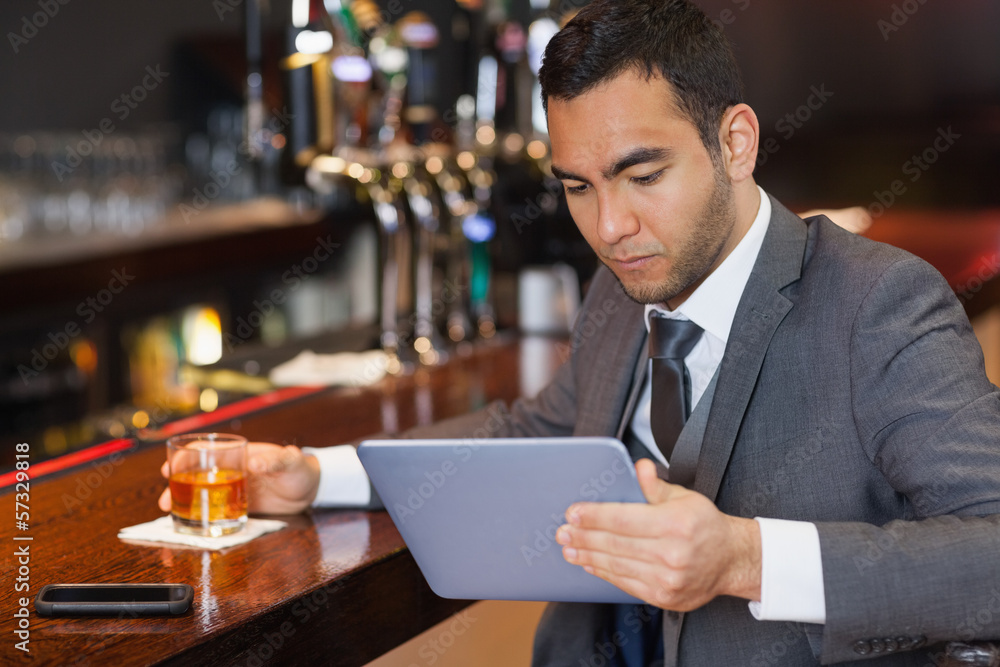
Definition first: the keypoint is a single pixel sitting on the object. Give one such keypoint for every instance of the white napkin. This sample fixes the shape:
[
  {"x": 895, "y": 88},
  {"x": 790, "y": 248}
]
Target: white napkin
[
  {"x": 351, "y": 369},
  {"x": 162, "y": 530}
]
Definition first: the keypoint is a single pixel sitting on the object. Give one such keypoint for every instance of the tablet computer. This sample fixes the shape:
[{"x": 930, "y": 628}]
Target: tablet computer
[{"x": 480, "y": 515}]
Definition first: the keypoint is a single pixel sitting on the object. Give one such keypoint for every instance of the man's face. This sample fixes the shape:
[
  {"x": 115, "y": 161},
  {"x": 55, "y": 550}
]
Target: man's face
[{"x": 642, "y": 187}]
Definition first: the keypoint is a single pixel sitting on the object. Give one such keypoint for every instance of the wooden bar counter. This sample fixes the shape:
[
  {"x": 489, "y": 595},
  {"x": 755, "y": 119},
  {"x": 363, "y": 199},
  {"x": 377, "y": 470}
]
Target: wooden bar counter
[{"x": 336, "y": 587}]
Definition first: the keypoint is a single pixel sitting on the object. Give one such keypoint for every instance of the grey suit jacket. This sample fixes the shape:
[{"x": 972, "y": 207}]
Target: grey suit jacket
[{"x": 852, "y": 394}]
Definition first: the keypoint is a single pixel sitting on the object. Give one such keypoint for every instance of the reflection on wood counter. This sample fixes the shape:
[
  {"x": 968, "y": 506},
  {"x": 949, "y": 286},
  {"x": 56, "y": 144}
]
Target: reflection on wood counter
[{"x": 336, "y": 587}]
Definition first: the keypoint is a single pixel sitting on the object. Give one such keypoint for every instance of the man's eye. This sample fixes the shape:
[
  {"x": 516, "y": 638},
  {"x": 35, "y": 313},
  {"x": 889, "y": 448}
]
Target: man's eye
[
  {"x": 649, "y": 179},
  {"x": 576, "y": 189}
]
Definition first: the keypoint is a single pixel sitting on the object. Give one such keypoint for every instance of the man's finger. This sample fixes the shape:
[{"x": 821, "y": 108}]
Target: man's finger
[
  {"x": 273, "y": 460},
  {"x": 629, "y": 519},
  {"x": 634, "y": 587},
  {"x": 609, "y": 544},
  {"x": 164, "y": 502},
  {"x": 267, "y": 462},
  {"x": 619, "y": 563}
]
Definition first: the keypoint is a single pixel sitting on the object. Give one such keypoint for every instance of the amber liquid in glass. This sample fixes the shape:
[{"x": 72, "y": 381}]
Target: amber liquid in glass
[{"x": 213, "y": 500}]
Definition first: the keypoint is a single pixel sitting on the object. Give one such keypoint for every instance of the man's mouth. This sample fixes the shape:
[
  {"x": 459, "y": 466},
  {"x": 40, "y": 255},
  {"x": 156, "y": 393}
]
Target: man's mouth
[{"x": 632, "y": 262}]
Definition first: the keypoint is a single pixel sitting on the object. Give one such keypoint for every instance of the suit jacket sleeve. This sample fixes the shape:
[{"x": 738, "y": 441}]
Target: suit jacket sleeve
[
  {"x": 930, "y": 422},
  {"x": 552, "y": 413}
]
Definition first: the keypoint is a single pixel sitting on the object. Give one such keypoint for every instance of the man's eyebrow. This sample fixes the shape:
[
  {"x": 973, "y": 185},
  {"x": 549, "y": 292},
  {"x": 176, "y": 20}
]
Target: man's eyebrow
[
  {"x": 564, "y": 175},
  {"x": 630, "y": 159},
  {"x": 634, "y": 157}
]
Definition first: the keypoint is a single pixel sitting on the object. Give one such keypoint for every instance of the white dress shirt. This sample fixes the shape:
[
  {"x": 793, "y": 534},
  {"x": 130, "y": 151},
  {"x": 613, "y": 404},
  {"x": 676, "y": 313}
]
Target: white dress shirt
[
  {"x": 343, "y": 481},
  {"x": 792, "y": 572}
]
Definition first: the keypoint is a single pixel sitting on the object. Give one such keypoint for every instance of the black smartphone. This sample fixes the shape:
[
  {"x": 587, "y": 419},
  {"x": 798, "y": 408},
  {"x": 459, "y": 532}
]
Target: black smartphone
[{"x": 113, "y": 599}]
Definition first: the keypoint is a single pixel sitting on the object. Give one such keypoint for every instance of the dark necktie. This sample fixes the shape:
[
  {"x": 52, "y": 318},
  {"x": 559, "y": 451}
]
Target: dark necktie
[{"x": 670, "y": 341}]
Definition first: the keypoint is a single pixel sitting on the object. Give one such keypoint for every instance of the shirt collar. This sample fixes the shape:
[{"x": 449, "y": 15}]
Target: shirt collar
[{"x": 712, "y": 306}]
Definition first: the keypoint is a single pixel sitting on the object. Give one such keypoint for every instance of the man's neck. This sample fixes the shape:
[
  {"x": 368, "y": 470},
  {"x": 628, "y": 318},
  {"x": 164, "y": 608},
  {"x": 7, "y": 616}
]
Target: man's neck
[{"x": 747, "y": 196}]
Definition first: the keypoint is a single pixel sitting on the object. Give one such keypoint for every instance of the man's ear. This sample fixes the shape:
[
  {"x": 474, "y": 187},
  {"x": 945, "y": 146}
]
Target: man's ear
[{"x": 739, "y": 135}]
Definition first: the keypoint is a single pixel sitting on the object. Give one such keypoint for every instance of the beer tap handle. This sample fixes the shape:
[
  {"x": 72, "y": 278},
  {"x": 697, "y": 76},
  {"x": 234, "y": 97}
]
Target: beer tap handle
[
  {"x": 426, "y": 216},
  {"x": 391, "y": 224},
  {"x": 457, "y": 206},
  {"x": 479, "y": 228}
]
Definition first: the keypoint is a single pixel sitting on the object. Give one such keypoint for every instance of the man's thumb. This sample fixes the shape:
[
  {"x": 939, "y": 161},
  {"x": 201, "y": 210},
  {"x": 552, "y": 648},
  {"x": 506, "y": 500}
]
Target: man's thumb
[{"x": 654, "y": 488}]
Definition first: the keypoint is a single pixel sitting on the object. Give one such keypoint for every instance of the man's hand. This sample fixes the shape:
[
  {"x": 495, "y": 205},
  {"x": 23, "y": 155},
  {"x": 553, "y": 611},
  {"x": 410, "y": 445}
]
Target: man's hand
[
  {"x": 282, "y": 480},
  {"x": 678, "y": 552}
]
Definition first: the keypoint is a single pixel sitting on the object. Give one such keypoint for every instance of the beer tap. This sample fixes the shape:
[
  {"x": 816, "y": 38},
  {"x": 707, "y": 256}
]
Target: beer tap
[
  {"x": 347, "y": 140},
  {"x": 479, "y": 228},
  {"x": 426, "y": 216},
  {"x": 476, "y": 141},
  {"x": 394, "y": 252},
  {"x": 419, "y": 34},
  {"x": 458, "y": 205},
  {"x": 387, "y": 191},
  {"x": 408, "y": 214}
]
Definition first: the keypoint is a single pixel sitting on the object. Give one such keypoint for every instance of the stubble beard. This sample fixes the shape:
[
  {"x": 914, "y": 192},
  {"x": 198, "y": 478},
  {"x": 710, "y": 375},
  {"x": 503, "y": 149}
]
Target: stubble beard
[{"x": 691, "y": 261}]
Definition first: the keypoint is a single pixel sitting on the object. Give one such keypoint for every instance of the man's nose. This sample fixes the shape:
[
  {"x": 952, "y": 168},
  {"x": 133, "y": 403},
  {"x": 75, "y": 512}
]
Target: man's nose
[{"x": 615, "y": 219}]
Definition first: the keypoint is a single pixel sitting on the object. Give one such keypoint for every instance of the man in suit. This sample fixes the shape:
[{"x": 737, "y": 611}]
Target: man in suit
[
  {"x": 849, "y": 390},
  {"x": 840, "y": 468}
]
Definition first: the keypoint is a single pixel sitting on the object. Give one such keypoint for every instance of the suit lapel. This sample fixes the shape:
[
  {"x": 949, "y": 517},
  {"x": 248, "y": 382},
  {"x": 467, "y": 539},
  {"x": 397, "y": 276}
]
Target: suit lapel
[
  {"x": 762, "y": 308},
  {"x": 609, "y": 375},
  {"x": 641, "y": 362}
]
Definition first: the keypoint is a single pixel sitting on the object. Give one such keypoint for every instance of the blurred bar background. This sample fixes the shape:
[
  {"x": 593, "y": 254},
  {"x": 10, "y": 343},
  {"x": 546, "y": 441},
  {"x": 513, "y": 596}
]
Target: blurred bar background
[{"x": 193, "y": 192}]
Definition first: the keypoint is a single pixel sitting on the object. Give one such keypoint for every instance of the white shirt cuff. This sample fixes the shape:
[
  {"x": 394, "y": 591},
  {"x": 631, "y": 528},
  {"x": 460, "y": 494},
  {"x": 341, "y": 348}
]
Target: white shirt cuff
[
  {"x": 342, "y": 479},
  {"x": 791, "y": 586}
]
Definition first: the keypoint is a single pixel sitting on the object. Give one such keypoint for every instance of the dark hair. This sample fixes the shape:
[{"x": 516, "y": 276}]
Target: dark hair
[{"x": 670, "y": 38}]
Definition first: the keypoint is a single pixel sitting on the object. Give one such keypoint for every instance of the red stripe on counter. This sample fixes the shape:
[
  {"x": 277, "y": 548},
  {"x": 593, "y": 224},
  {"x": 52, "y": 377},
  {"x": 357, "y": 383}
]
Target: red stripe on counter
[
  {"x": 68, "y": 460},
  {"x": 186, "y": 425},
  {"x": 239, "y": 408}
]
